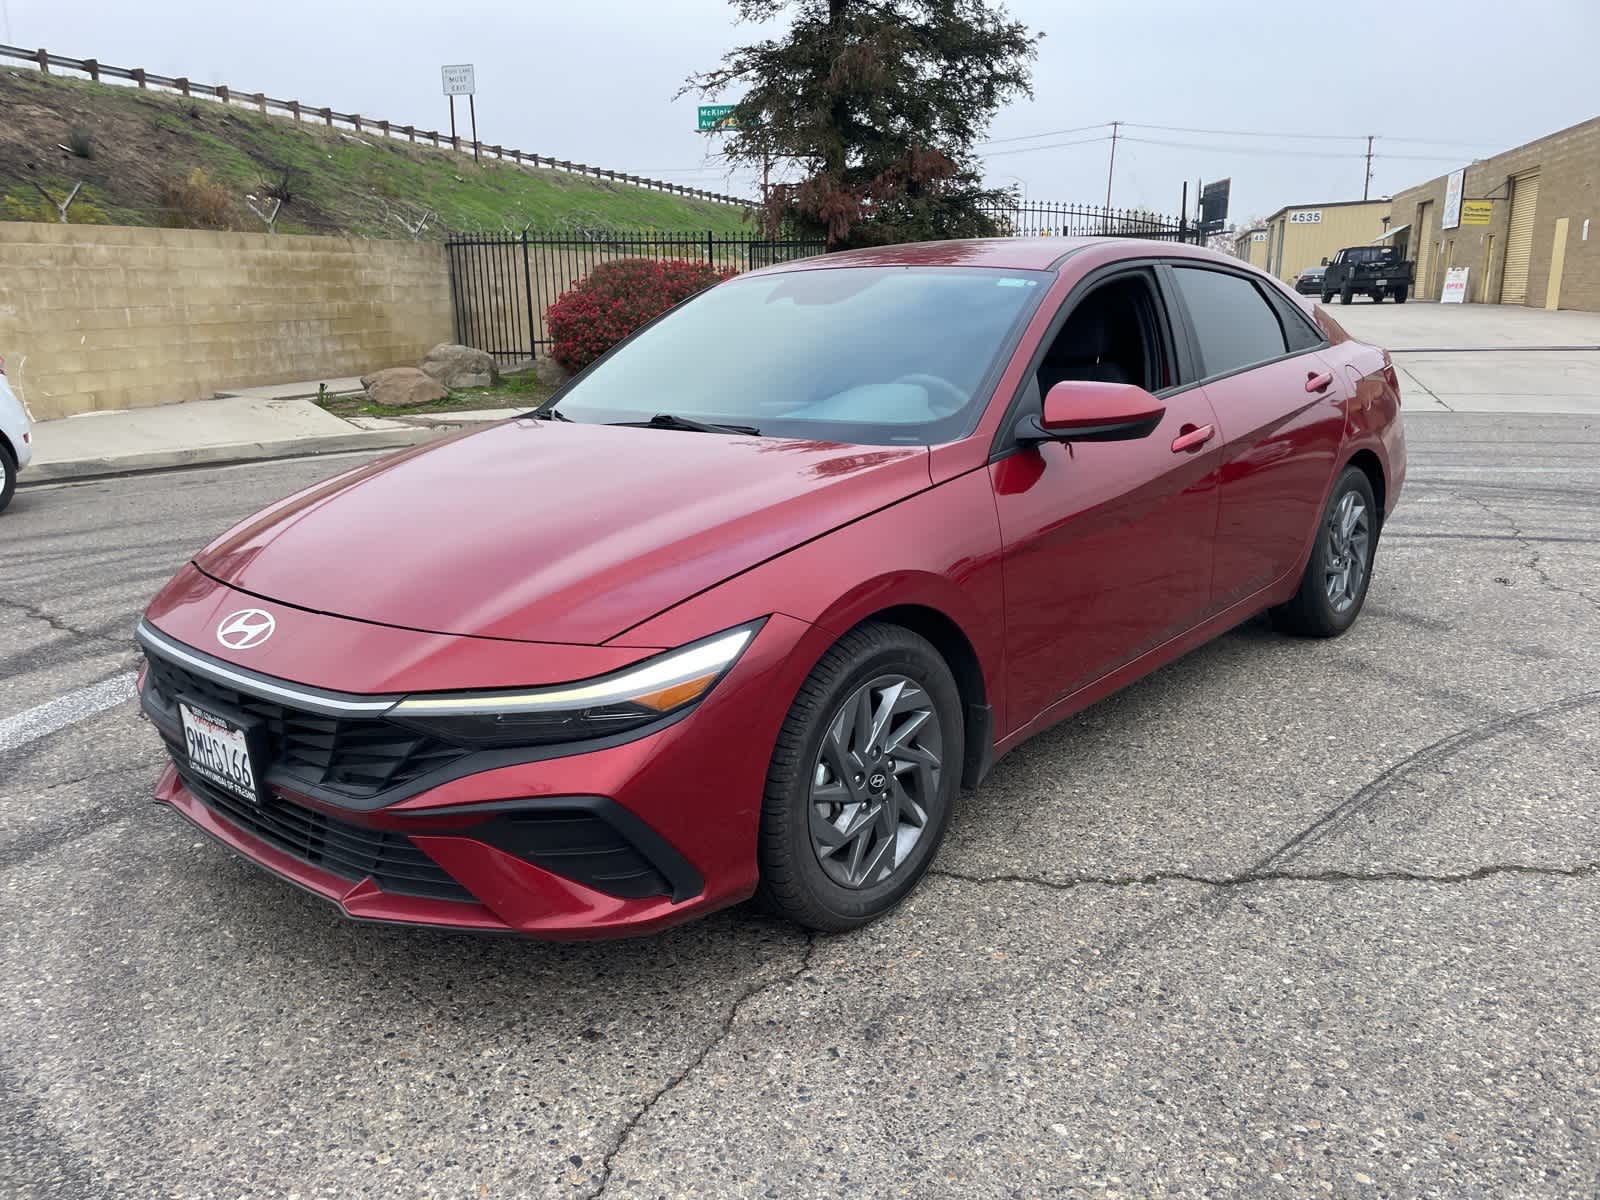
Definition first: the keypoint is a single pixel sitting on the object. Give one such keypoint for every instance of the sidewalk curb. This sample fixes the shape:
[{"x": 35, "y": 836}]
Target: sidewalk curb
[{"x": 237, "y": 452}]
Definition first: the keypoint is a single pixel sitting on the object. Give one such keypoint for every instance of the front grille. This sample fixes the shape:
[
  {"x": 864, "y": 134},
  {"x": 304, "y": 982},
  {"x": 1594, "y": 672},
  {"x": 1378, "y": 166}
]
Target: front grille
[
  {"x": 341, "y": 848},
  {"x": 354, "y": 757}
]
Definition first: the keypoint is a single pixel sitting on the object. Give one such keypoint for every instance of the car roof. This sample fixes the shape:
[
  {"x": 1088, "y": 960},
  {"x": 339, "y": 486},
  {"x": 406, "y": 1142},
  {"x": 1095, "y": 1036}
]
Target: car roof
[{"x": 1017, "y": 254}]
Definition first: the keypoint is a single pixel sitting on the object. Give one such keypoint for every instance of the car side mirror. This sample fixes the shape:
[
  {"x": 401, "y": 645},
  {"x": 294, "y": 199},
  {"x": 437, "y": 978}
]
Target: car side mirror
[
  {"x": 1324, "y": 262},
  {"x": 1085, "y": 410}
]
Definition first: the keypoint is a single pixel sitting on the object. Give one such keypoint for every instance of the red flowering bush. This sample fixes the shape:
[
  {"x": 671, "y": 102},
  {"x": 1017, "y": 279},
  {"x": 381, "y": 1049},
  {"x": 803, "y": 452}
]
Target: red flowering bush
[{"x": 616, "y": 298}]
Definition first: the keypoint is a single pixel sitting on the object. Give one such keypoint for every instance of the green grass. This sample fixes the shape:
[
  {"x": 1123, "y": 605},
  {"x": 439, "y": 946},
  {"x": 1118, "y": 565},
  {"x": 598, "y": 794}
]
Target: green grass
[
  {"x": 343, "y": 182},
  {"x": 521, "y": 391}
]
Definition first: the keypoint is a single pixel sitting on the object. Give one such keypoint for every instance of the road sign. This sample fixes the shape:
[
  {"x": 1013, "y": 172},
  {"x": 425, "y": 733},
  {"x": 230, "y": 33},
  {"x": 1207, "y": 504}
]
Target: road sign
[
  {"x": 458, "y": 80},
  {"x": 715, "y": 116},
  {"x": 1214, "y": 206}
]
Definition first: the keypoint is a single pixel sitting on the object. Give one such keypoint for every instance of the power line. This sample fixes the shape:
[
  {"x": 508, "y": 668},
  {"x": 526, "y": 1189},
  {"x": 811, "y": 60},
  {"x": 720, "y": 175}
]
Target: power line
[
  {"x": 1106, "y": 137},
  {"x": 1324, "y": 137},
  {"x": 1273, "y": 153},
  {"x": 1028, "y": 137}
]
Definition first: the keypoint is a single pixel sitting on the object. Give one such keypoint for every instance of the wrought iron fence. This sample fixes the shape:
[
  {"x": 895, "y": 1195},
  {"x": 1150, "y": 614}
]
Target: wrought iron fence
[
  {"x": 1085, "y": 220},
  {"x": 501, "y": 284}
]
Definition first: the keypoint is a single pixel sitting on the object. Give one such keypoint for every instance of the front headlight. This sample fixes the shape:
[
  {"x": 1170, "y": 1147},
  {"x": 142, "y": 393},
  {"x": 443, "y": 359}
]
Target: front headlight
[{"x": 591, "y": 708}]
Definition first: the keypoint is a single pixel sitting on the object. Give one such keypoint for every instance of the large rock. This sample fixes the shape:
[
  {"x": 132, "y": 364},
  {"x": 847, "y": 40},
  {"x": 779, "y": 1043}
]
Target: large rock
[
  {"x": 551, "y": 373},
  {"x": 460, "y": 366},
  {"x": 402, "y": 387}
]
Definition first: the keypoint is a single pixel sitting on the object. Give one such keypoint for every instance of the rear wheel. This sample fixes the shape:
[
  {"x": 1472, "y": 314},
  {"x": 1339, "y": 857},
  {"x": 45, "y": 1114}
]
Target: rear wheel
[
  {"x": 8, "y": 477},
  {"x": 862, "y": 780},
  {"x": 1347, "y": 296},
  {"x": 1400, "y": 295},
  {"x": 1327, "y": 297},
  {"x": 1334, "y": 586}
]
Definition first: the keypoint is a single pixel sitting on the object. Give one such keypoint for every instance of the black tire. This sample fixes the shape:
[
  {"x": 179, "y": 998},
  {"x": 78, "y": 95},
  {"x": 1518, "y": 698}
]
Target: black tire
[
  {"x": 8, "y": 477},
  {"x": 1400, "y": 295},
  {"x": 794, "y": 884},
  {"x": 1327, "y": 297},
  {"x": 1347, "y": 296},
  {"x": 1311, "y": 612},
  {"x": 1377, "y": 297}
]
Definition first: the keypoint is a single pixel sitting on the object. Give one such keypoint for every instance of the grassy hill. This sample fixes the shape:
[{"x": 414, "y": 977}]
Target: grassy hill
[{"x": 138, "y": 154}]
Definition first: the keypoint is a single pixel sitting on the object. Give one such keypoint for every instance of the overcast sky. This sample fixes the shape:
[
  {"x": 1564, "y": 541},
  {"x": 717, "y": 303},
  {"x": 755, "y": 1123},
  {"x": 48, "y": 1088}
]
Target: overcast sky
[{"x": 594, "y": 80}]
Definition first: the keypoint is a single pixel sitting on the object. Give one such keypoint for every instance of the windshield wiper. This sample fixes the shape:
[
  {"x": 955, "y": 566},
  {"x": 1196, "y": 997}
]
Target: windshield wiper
[
  {"x": 674, "y": 421},
  {"x": 551, "y": 414}
]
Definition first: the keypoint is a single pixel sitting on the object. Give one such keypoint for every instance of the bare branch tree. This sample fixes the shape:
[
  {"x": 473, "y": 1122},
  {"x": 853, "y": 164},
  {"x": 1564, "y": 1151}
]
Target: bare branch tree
[
  {"x": 414, "y": 228},
  {"x": 269, "y": 219},
  {"x": 61, "y": 206}
]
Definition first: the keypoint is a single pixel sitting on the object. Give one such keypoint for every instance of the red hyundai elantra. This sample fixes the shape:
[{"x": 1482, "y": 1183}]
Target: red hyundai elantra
[{"x": 746, "y": 603}]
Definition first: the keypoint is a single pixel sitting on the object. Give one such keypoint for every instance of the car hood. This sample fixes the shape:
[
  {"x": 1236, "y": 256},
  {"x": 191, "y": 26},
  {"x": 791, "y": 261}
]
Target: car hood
[{"x": 550, "y": 532}]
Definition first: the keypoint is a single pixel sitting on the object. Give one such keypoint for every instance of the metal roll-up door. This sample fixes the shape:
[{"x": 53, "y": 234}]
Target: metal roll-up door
[
  {"x": 1424, "y": 232},
  {"x": 1519, "y": 239}
]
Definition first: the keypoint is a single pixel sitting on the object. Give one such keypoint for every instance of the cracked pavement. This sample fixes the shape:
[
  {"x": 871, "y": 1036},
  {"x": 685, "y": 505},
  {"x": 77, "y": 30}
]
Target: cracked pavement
[{"x": 1287, "y": 918}]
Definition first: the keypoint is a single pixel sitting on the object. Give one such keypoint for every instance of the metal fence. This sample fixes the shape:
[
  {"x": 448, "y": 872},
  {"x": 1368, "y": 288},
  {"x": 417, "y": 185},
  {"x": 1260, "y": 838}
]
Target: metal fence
[
  {"x": 501, "y": 284},
  {"x": 1084, "y": 220}
]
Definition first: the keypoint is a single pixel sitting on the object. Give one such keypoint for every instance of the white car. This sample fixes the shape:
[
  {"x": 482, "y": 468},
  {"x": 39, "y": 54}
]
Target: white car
[{"x": 16, "y": 438}]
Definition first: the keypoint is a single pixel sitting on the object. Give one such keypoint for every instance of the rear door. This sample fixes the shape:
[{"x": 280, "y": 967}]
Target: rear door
[{"x": 1270, "y": 378}]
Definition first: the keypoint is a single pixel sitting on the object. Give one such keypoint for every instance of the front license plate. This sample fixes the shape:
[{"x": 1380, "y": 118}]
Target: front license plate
[{"x": 219, "y": 752}]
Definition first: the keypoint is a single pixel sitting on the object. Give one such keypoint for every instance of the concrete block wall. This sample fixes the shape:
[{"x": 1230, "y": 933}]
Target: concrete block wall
[
  {"x": 98, "y": 317},
  {"x": 1568, "y": 163}
]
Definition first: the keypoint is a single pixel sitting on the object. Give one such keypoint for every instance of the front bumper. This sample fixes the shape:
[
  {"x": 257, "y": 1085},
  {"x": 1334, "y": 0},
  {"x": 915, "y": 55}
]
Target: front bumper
[{"x": 616, "y": 839}]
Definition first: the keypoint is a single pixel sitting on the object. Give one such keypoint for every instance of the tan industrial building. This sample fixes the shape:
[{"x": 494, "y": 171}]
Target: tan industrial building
[
  {"x": 1302, "y": 235},
  {"x": 1251, "y": 246},
  {"x": 1518, "y": 222}
]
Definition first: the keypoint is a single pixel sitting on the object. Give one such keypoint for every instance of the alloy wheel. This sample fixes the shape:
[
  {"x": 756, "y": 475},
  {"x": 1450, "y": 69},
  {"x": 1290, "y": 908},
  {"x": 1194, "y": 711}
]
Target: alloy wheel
[
  {"x": 1349, "y": 546},
  {"x": 875, "y": 781}
]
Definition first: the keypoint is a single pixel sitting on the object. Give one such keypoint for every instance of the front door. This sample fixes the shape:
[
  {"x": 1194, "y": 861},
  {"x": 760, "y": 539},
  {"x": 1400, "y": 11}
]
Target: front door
[{"x": 1107, "y": 544}]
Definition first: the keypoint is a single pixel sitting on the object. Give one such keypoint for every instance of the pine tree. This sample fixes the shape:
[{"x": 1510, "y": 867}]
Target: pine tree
[{"x": 880, "y": 103}]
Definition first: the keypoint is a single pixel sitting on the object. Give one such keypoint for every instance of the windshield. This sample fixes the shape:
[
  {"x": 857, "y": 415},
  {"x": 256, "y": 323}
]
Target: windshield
[
  {"x": 870, "y": 355},
  {"x": 1369, "y": 254}
]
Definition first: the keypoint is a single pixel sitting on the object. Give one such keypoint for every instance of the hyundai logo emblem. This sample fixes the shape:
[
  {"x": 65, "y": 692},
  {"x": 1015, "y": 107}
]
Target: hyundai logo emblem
[
  {"x": 878, "y": 781},
  {"x": 246, "y": 628}
]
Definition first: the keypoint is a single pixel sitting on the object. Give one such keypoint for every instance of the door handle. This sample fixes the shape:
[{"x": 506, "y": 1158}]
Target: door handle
[
  {"x": 1319, "y": 383},
  {"x": 1192, "y": 438}
]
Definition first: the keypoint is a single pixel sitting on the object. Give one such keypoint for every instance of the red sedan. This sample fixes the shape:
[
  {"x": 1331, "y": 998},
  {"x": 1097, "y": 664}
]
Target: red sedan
[{"x": 746, "y": 604}]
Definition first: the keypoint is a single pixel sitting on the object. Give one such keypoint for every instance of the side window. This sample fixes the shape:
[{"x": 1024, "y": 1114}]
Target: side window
[
  {"x": 1114, "y": 334},
  {"x": 1233, "y": 321},
  {"x": 1301, "y": 332}
]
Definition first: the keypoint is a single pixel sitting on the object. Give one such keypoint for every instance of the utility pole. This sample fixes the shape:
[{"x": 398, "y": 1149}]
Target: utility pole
[
  {"x": 1113, "y": 165},
  {"x": 1366, "y": 183},
  {"x": 472, "y": 108}
]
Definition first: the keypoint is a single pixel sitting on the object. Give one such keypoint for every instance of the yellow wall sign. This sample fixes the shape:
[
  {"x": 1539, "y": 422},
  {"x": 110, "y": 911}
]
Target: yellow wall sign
[{"x": 1477, "y": 212}]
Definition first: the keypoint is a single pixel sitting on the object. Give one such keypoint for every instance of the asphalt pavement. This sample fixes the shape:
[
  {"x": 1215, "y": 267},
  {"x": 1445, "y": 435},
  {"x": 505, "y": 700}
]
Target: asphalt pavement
[{"x": 1287, "y": 918}]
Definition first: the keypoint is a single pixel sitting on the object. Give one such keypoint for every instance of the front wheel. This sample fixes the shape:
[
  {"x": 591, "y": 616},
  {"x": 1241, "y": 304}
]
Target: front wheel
[
  {"x": 1334, "y": 586},
  {"x": 1327, "y": 297},
  {"x": 1347, "y": 296},
  {"x": 1400, "y": 295},
  {"x": 8, "y": 477},
  {"x": 862, "y": 781}
]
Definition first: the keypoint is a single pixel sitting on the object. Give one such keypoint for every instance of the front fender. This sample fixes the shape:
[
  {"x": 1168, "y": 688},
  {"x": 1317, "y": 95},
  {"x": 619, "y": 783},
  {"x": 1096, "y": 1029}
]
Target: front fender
[{"x": 939, "y": 550}]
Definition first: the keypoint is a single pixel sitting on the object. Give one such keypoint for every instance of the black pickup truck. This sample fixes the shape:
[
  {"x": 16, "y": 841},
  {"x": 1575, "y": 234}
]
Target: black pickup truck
[{"x": 1376, "y": 271}]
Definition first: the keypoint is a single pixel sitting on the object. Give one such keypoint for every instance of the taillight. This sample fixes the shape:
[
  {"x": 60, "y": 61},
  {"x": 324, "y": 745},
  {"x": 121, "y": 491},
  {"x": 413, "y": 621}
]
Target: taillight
[
  {"x": 2, "y": 364},
  {"x": 1391, "y": 376}
]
